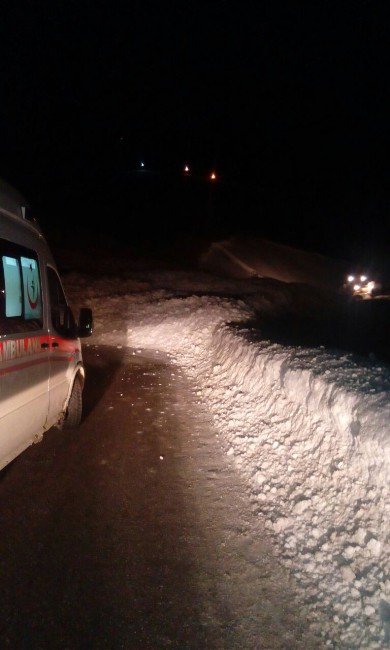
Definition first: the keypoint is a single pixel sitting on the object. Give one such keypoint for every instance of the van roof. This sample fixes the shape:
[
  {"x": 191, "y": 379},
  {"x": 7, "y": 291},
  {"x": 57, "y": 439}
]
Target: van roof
[{"x": 14, "y": 204}]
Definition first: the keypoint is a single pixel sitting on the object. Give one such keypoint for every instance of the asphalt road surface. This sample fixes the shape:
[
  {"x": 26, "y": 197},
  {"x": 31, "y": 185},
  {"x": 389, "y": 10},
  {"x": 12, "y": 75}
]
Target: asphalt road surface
[{"x": 133, "y": 531}]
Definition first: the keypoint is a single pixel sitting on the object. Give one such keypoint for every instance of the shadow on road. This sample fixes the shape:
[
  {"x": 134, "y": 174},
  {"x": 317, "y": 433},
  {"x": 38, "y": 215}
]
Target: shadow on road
[{"x": 101, "y": 364}]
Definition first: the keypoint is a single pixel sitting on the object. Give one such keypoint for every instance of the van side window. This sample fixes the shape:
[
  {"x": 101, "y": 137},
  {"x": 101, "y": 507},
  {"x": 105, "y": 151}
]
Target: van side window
[
  {"x": 61, "y": 315},
  {"x": 20, "y": 290}
]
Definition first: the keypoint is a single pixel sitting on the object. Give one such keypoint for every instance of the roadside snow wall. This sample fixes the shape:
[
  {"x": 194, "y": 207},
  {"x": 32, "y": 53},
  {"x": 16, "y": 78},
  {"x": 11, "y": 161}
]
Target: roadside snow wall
[{"x": 309, "y": 430}]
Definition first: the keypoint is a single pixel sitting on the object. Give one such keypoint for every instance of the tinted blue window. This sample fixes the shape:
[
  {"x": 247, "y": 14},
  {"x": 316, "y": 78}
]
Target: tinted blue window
[{"x": 13, "y": 287}]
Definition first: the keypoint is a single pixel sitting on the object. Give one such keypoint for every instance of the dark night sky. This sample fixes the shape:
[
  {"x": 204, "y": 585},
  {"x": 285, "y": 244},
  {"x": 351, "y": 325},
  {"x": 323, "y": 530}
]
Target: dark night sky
[{"x": 290, "y": 102}]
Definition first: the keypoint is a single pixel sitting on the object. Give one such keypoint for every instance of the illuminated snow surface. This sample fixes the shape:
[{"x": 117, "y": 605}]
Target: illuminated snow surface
[{"x": 308, "y": 429}]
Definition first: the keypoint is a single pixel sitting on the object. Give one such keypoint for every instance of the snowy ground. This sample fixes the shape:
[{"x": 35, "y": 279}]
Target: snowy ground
[
  {"x": 248, "y": 257},
  {"x": 307, "y": 428}
]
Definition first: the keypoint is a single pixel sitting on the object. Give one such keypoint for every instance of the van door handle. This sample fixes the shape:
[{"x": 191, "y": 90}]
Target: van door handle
[
  {"x": 44, "y": 345},
  {"x": 55, "y": 344}
]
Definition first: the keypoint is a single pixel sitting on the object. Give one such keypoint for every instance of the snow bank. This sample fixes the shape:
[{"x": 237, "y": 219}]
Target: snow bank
[
  {"x": 310, "y": 432},
  {"x": 307, "y": 428}
]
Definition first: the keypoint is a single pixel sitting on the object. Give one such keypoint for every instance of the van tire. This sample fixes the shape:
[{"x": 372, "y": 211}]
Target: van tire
[{"x": 74, "y": 410}]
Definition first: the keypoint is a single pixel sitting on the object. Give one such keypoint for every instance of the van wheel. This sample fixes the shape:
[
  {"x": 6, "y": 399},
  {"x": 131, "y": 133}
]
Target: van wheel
[{"x": 75, "y": 407}]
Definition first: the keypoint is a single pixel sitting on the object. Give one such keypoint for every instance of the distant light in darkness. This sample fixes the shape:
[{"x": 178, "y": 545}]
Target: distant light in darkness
[
  {"x": 213, "y": 176},
  {"x": 186, "y": 169},
  {"x": 142, "y": 164}
]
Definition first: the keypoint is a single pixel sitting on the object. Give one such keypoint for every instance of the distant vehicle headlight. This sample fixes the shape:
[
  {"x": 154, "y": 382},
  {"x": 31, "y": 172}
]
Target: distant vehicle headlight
[{"x": 360, "y": 286}]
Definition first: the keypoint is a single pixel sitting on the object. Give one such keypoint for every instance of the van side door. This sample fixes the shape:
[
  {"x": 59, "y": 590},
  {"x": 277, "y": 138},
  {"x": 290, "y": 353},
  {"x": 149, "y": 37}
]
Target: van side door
[
  {"x": 24, "y": 351},
  {"x": 64, "y": 347}
]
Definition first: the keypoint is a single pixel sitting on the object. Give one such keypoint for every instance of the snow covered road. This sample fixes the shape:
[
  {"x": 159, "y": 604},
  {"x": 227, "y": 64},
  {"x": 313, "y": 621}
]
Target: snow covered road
[{"x": 307, "y": 429}]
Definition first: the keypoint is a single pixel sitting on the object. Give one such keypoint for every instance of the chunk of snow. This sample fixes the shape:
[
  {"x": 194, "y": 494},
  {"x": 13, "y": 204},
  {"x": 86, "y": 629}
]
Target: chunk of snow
[
  {"x": 348, "y": 574},
  {"x": 374, "y": 546},
  {"x": 301, "y": 506},
  {"x": 282, "y": 524}
]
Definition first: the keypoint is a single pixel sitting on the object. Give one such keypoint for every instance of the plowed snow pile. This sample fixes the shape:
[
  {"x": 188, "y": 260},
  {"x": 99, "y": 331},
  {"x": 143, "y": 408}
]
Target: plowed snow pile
[
  {"x": 310, "y": 432},
  {"x": 309, "y": 429}
]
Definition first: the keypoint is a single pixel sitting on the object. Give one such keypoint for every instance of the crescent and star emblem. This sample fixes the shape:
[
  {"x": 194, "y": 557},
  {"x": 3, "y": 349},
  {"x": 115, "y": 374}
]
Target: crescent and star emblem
[{"x": 32, "y": 290}]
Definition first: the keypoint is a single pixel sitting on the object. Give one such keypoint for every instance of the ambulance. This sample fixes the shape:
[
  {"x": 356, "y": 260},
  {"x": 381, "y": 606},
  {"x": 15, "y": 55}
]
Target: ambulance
[{"x": 41, "y": 367}]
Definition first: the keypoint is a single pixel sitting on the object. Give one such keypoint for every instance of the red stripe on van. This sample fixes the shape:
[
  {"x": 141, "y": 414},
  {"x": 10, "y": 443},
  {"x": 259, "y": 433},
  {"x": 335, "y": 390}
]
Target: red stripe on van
[
  {"x": 22, "y": 366},
  {"x": 57, "y": 358}
]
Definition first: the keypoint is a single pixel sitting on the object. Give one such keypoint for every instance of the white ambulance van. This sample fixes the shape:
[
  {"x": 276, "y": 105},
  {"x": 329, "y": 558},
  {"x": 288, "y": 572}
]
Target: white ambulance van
[{"x": 41, "y": 367}]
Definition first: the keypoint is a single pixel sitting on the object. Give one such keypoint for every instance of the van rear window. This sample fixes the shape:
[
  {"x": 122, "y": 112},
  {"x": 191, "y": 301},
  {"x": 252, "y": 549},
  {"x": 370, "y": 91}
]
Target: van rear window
[
  {"x": 20, "y": 287},
  {"x": 32, "y": 289},
  {"x": 13, "y": 287}
]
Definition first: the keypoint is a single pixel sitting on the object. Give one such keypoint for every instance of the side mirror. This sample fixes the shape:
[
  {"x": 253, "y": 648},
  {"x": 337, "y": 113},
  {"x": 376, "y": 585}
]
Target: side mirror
[{"x": 85, "y": 327}]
